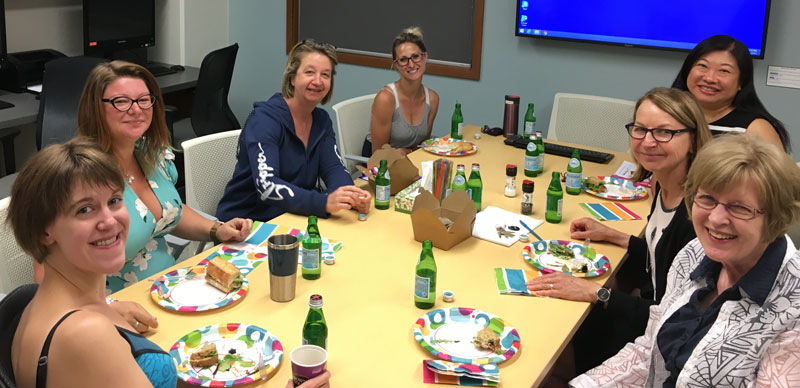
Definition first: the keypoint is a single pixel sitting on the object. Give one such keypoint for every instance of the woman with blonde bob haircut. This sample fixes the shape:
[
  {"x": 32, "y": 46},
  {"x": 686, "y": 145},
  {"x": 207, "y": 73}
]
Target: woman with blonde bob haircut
[
  {"x": 67, "y": 211},
  {"x": 121, "y": 108},
  {"x": 731, "y": 312}
]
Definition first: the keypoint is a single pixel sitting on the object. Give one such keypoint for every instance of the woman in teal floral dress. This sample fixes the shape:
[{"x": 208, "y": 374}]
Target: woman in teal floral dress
[{"x": 122, "y": 110}]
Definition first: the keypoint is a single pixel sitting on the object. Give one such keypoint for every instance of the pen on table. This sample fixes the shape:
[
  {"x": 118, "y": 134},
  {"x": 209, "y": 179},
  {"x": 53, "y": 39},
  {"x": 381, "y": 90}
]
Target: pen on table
[{"x": 530, "y": 230}]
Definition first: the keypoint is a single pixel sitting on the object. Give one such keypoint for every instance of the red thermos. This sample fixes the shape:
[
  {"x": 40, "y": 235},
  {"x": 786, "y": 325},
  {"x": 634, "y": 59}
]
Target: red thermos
[{"x": 511, "y": 115}]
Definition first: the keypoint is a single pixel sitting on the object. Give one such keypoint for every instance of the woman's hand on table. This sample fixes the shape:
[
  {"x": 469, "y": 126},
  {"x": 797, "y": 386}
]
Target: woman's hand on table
[
  {"x": 348, "y": 197},
  {"x": 235, "y": 230},
  {"x": 586, "y": 227},
  {"x": 135, "y": 315},
  {"x": 321, "y": 381},
  {"x": 563, "y": 286}
]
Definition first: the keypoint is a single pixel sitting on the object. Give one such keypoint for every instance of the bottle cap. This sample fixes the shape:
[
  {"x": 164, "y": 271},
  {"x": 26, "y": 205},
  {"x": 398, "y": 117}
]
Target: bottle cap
[
  {"x": 329, "y": 261},
  {"x": 511, "y": 170},
  {"x": 448, "y": 296},
  {"x": 523, "y": 237},
  {"x": 527, "y": 186},
  {"x": 362, "y": 216},
  {"x": 513, "y": 98},
  {"x": 477, "y": 135},
  {"x": 315, "y": 301}
]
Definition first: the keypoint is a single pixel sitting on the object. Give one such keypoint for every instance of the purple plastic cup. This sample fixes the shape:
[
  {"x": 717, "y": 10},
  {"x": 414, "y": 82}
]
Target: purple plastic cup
[{"x": 308, "y": 361}]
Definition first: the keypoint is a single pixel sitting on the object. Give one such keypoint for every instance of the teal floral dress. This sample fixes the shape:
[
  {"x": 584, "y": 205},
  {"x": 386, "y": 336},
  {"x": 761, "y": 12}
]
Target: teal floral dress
[{"x": 146, "y": 251}]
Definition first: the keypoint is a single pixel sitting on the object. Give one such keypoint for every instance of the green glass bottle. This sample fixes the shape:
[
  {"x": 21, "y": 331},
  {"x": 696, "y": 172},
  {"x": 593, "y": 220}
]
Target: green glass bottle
[
  {"x": 383, "y": 187},
  {"x": 540, "y": 148},
  {"x": 555, "y": 198},
  {"x": 460, "y": 180},
  {"x": 315, "y": 330},
  {"x": 312, "y": 251},
  {"x": 425, "y": 279},
  {"x": 457, "y": 124},
  {"x": 574, "y": 173},
  {"x": 532, "y": 158},
  {"x": 530, "y": 122},
  {"x": 475, "y": 186}
]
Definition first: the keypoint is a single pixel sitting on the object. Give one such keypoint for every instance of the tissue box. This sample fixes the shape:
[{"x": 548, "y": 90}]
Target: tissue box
[
  {"x": 404, "y": 200},
  {"x": 402, "y": 172},
  {"x": 457, "y": 207}
]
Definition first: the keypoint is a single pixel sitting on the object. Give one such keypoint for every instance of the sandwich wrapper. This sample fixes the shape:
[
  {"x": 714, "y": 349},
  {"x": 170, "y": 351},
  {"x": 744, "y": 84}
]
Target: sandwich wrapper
[
  {"x": 402, "y": 171},
  {"x": 488, "y": 219},
  {"x": 469, "y": 375},
  {"x": 425, "y": 218}
]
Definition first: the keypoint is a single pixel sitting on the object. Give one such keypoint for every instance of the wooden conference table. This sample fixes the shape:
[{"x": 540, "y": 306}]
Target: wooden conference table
[{"x": 367, "y": 294}]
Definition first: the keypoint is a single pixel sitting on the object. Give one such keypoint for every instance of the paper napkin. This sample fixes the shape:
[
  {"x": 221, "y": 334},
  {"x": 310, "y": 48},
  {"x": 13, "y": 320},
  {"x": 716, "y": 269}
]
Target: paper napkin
[
  {"x": 446, "y": 372},
  {"x": 512, "y": 281},
  {"x": 610, "y": 211},
  {"x": 486, "y": 222}
]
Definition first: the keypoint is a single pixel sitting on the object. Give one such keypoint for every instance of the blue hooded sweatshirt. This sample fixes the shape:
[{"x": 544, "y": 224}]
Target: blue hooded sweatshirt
[{"x": 275, "y": 173}]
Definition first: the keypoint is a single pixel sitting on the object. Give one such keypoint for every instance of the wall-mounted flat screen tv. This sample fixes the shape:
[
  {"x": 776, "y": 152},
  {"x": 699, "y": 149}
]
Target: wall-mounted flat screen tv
[{"x": 670, "y": 25}]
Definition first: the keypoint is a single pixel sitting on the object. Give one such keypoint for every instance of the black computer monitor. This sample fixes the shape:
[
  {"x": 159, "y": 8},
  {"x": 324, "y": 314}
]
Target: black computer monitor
[
  {"x": 3, "y": 51},
  {"x": 112, "y": 29}
]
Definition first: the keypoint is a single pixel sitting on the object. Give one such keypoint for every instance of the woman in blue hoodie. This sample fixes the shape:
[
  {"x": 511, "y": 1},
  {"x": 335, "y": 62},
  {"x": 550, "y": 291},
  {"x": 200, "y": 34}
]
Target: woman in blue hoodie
[{"x": 287, "y": 144}]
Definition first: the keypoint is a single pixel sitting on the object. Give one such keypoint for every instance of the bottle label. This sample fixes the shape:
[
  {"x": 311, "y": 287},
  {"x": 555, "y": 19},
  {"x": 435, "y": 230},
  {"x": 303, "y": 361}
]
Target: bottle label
[
  {"x": 527, "y": 197},
  {"x": 422, "y": 287},
  {"x": 531, "y": 163},
  {"x": 310, "y": 258},
  {"x": 531, "y": 146},
  {"x": 529, "y": 128},
  {"x": 541, "y": 161},
  {"x": 460, "y": 129},
  {"x": 554, "y": 204},
  {"x": 459, "y": 180},
  {"x": 382, "y": 193},
  {"x": 574, "y": 163},
  {"x": 573, "y": 180},
  {"x": 560, "y": 203},
  {"x": 469, "y": 192}
]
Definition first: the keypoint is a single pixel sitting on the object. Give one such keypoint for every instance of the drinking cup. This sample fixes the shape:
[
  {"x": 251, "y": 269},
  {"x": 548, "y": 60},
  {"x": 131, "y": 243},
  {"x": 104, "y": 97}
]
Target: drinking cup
[
  {"x": 282, "y": 260},
  {"x": 308, "y": 361}
]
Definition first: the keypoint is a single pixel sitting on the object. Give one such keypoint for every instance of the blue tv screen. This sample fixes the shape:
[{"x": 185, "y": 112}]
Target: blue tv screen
[{"x": 670, "y": 25}]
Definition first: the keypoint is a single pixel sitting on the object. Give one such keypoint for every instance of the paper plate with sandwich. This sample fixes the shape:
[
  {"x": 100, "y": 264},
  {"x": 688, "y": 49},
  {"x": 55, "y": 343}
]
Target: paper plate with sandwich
[
  {"x": 200, "y": 288},
  {"x": 225, "y": 355}
]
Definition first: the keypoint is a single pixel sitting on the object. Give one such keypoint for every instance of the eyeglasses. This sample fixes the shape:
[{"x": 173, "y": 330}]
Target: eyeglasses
[
  {"x": 124, "y": 104},
  {"x": 736, "y": 210},
  {"x": 660, "y": 135},
  {"x": 416, "y": 58}
]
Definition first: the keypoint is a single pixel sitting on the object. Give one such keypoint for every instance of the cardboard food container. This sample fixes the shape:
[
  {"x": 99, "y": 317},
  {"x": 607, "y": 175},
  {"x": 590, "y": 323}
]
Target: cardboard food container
[
  {"x": 457, "y": 207},
  {"x": 401, "y": 171}
]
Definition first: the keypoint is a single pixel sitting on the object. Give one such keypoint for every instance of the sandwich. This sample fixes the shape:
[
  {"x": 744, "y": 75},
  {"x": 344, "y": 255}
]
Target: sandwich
[
  {"x": 223, "y": 275},
  {"x": 488, "y": 340},
  {"x": 204, "y": 357}
]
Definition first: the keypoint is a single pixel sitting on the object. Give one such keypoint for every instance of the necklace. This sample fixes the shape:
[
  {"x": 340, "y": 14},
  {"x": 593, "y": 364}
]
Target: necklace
[{"x": 130, "y": 178}]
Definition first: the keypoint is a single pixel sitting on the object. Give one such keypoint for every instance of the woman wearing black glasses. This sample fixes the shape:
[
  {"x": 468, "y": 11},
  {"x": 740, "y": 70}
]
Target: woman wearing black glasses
[
  {"x": 122, "y": 110},
  {"x": 404, "y": 110},
  {"x": 667, "y": 130}
]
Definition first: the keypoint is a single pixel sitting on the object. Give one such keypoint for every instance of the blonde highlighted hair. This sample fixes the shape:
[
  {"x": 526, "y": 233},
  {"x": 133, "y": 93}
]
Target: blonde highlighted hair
[
  {"x": 732, "y": 160},
  {"x": 409, "y": 35}
]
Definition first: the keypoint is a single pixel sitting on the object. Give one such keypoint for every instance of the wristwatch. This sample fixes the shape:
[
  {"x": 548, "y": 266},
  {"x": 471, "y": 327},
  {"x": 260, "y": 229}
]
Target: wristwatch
[
  {"x": 213, "y": 232},
  {"x": 603, "y": 295}
]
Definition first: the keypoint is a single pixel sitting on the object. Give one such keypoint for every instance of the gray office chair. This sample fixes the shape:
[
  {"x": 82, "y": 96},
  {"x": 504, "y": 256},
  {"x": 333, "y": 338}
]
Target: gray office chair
[
  {"x": 11, "y": 308},
  {"x": 591, "y": 120}
]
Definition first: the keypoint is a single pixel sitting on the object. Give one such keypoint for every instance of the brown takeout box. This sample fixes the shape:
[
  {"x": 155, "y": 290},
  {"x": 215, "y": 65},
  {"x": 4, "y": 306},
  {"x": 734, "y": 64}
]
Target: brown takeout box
[
  {"x": 401, "y": 171},
  {"x": 457, "y": 206}
]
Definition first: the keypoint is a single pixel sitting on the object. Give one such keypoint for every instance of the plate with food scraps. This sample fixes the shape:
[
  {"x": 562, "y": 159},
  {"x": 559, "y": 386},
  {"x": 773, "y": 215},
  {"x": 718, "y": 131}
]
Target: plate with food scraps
[
  {"x": 225, "y": 355},
  {"x": 612, "y": 187},
  {"x": 466, "y": 335},
  {"x": 198, "y": 289},
  {"x": 569, "y": 257},
  {"x": 447, "y": 146}
]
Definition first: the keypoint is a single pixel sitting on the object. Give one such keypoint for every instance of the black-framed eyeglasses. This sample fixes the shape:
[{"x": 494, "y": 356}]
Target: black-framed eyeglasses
[
  {"x": 124, "y": 104},
  {"x": 317, "y": 45},
  {"x": 416, "y": 58},
  {"x": 736, "y": 210},
  {"x": 660, "y": 135}
]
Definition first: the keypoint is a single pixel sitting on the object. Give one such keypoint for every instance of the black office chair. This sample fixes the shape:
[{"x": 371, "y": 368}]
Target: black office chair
[
  {"x": 11, "y": 308},
  {"x": 62, "y": 85}
]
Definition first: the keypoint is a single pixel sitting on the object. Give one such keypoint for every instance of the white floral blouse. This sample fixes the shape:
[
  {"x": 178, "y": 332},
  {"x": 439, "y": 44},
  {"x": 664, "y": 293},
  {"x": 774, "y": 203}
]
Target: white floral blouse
[{"x": 146, "y": 251}]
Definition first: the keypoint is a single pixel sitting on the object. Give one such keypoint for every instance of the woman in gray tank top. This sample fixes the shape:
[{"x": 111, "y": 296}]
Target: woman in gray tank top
[{"x": 403, "y": 111}]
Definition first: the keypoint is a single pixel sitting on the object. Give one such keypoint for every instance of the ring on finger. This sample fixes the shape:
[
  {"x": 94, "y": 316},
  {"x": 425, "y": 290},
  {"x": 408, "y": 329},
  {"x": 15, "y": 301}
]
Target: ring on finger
[
  {"x": 136, "y": 325},
  {"x": 551, "y": 287}
]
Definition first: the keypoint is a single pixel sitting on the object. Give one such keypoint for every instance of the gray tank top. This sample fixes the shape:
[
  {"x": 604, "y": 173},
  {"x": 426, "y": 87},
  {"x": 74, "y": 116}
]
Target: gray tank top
[{"x": 403, "y": 134}]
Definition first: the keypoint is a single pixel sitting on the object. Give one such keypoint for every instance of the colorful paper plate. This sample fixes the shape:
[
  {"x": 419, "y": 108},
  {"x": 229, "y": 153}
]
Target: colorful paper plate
[
  {"x": 185, "y": 289},
  {"x": 447, "y": 333},
  {"x": 244, "y": 340},
  {"x": 444, "y": 146},
  {"x": 618, "y": 189},
  {"x": 537, "y": 254}
]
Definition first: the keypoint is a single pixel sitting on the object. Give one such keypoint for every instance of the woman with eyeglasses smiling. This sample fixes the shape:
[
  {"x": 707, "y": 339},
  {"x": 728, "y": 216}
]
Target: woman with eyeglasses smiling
[
  {"x": 403, "y": 111},
  {"x": 667, "y": 130},
  {"x": 731, "y": 312},
  {"x": 122, "y": 110}
]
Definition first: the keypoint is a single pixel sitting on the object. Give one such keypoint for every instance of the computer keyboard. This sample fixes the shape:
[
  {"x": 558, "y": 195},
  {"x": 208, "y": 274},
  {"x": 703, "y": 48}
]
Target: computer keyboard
[
  {"x": 159, "y": 70},
  {"x": 562, "y": 150}
]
